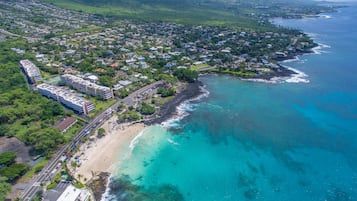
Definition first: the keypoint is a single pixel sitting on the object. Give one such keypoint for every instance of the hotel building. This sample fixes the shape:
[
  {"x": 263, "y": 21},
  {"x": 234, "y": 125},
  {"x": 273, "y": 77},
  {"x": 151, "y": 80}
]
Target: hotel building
[
  {"x": 66, "y": 97},
  {"x": 87, "y": 87},
  {"x": 32, "y": 72}
]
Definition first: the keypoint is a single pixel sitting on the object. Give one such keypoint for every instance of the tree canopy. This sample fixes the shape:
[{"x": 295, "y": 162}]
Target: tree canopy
[
  {"x": 186, "y": 75},
  {"x": 147, "y": 109},
  {"x": 7, "y": 158},
  {"x": 4, "y": 188},
  {"x": 25, "y": 113},
  {"x": 13, "y": 171}
]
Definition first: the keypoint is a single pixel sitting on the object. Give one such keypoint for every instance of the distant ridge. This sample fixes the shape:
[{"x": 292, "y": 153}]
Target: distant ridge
[{"x": 246, "y": 14}]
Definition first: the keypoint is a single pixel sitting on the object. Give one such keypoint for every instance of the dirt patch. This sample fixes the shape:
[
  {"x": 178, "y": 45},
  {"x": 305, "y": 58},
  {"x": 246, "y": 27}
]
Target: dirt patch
[{"x": 15, "y": 145}]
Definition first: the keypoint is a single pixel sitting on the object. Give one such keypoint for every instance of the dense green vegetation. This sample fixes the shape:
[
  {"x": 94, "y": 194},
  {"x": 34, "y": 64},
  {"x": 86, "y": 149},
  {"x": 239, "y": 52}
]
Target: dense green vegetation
[
  {"x": 186, "y": 75},
  {"x": 9, "y": 170},
  {"x": 7, "y": 158},
  {"x": 129, "y": 115},
  {"x": 25, "y": 113},
  {"x": 166, "y": 92},
  {"x": 147, "y": 109},
  {"x": 13, "y": 171},
  {"x": 239, "y": 14},
  {"x": 101, "y": 132},
  {"x": 4, "y": 188},
  {"x": 183, "y": 12}
]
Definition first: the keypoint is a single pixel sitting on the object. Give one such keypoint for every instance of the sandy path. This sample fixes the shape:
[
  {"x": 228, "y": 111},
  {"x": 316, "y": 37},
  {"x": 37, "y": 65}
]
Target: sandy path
[{"x": 100, "y": 155}]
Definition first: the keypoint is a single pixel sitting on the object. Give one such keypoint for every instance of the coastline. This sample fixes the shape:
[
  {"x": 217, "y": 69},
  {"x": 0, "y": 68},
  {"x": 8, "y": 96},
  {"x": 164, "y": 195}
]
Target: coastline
[
  {"x": 286, "y": 73},
  {"x": 169, "y": 109},
  {"x": 99, "y": 156}
]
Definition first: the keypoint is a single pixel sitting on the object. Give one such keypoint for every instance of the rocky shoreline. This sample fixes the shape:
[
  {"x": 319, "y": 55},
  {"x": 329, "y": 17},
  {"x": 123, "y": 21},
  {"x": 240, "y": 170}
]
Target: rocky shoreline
[
  {"x": 169, "y": 109},
  {"x": 98, "y": 185}
]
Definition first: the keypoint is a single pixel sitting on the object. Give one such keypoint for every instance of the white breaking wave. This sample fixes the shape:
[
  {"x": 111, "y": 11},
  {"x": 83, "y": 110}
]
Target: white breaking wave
[
  {"x": 319, "y": 49},
  {"x": 171, "y": 141},
  {"x": 106, "y": 195},
  {"x": 298, "y": 77},
  {"x": 183, "y": 110},
  {"x": 134, "y": 141},
  {"x": 325, "y": 16}
]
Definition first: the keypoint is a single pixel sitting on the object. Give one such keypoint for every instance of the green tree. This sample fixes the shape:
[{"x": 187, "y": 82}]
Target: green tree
[
  {"x": 7, "y": 158},
  {"x": 166, "y": 92},
  {"x": 130, "y": 116},
  {"x": 45, "y": 140},
  {"x": 147, "y": 109},
  {"x": 13, "y": 171},
  {"x": 4, "y": 188},
  {"x": 186, "y": 75},
  {"x": 101, "y": 132}
]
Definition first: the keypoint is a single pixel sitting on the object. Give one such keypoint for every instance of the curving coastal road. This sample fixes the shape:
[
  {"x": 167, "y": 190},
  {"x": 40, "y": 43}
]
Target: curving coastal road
[{"x": 45, "y": 175}]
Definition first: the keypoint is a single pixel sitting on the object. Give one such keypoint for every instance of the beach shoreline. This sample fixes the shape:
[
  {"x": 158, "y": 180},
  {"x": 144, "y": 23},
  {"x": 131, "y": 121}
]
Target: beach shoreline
[
  {"x": 98, "y": 155},
  {"x": 97, "y": 158}
]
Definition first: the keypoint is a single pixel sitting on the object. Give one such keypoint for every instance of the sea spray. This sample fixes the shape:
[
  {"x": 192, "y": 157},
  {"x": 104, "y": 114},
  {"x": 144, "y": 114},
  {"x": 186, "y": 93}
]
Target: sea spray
[
  {"x": 134, "y": 141},
  {"x": 297, "y": 77},
  {"x": 184, "y": 108}
]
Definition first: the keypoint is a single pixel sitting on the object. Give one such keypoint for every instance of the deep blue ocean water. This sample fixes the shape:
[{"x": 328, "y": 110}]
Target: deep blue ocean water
[{"x": 259, "y": 141}]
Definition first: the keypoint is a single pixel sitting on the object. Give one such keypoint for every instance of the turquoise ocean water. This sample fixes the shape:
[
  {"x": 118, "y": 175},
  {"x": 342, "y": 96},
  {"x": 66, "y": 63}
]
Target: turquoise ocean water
[{"x": 259, "y": 141}]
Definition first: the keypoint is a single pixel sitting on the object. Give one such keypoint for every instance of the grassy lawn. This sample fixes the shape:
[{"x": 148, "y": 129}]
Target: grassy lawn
[
  {"x": 34, "y": 169},
  {"x": 100, "y": 105},
  {"x": 46, "y": 75},
  {"x": 160, "y": 101},
  {"x": 72, "y": 131},
  {"x": 198, "y": 67},
  {"x": 238, "y": 73}
]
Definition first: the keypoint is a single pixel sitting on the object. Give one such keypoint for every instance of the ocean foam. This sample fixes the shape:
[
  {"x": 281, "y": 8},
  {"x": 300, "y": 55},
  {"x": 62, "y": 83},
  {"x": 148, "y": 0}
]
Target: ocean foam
[
  {"x": 171, "y": 141},
  {"x": 106, "y": 195},
  {"x": 134, "y": 141},
  {"x": 297, "y": 77},
  {"x": 183, "y": 109},
  {"x": 325, "y": 16},
  {"x": 319, "y": 49}
]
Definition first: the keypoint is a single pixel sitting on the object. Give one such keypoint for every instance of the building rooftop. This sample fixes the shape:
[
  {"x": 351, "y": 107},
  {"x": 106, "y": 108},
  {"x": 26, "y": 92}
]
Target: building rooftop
[
  {"x": 30, "y": 68},
  {"x": 65, "y": 94},
  {"x": 79, "y": 80},
  {"x": 65, "y": 123},
  {"x": 70, "y": 194}
]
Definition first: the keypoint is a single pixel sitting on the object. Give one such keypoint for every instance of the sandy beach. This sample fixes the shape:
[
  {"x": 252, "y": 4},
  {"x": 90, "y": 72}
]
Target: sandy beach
[{"x": 99, "y": 155}]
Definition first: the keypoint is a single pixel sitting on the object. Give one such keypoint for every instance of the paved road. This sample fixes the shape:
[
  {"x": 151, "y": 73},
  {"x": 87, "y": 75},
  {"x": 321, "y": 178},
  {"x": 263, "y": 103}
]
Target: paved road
[{"x": 45, "y": 175}]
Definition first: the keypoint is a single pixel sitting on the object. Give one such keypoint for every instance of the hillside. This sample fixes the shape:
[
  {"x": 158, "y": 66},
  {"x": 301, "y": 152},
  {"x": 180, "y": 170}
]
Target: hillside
[
  {"x": 233, "y": 13},
  {"x": 183, "y": 12}
]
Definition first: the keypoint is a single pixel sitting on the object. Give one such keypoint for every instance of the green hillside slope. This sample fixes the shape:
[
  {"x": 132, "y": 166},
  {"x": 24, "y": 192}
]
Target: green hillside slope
[{"x": 183, "y": 11}]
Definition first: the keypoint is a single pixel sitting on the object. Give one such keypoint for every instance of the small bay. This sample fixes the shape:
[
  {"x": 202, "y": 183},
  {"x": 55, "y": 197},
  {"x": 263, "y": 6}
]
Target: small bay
[{"x": 259, "y": 141}]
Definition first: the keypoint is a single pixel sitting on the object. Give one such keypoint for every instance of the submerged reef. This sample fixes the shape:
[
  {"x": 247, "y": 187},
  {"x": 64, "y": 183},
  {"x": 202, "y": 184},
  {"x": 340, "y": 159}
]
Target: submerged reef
[{"x": 123, "y": 189}]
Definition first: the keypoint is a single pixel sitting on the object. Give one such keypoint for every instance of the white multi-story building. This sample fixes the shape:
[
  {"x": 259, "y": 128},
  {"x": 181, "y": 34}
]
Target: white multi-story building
[
  {"x": 87, "y": 87},
  {"x": 67, "y": 98},
  {"x": 31, "y": 71}
]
